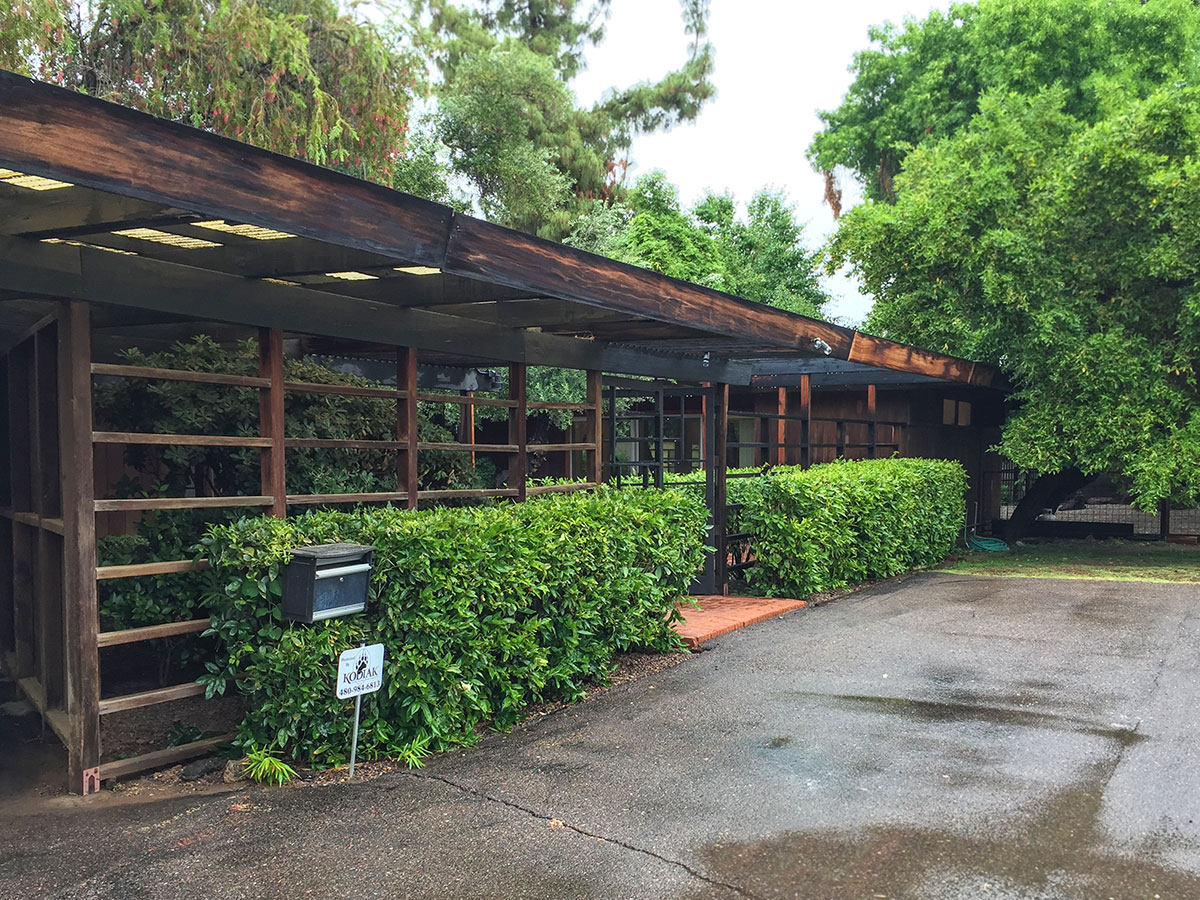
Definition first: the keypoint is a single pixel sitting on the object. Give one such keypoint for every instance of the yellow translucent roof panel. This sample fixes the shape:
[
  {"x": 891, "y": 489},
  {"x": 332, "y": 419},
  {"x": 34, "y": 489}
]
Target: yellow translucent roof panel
[
  {"x": 249, "y": 231},
  {"x": 418, "y": 270},
  {"x": 32, "y": 182},
  {"x": 91, "y": 246},
  {"x": 352, "y": 276},
  {"x": 182, "y": 241}
]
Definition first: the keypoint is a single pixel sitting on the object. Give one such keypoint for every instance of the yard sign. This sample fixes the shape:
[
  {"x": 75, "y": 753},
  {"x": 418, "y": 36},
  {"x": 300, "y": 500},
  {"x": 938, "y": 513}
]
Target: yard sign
[{"x": 360, "y": 671}]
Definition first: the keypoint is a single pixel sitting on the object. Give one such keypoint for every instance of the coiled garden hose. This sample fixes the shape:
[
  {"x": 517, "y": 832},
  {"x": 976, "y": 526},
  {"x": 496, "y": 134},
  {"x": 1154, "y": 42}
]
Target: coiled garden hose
[
  {"x": 975, "y": 542},
  {"x": 991, "y": 545}
]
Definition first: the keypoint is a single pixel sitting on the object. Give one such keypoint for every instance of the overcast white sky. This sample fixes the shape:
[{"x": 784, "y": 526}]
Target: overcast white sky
[{"x": 777, "y": 63}]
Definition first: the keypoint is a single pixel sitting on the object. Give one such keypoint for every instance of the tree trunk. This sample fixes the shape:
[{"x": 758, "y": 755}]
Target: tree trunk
[{"x": 1046, "y": 493}]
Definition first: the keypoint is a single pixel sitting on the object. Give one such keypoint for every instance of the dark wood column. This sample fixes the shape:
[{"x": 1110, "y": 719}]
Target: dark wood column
[
  {"x": 595, "y": 426},
  {"x": 270, "y": 417},
  {"x": 466, "y": 424},
  {"x": 720, "y": 425},
  {"x": 805, "y": 421},
  {"x": 518, "y": 420},
  {"x": 406, "y": 424},
  {"x": 780, "y": 430},
  {"x": 872, "y": 414},
  {"x": 82, "y": 619}
]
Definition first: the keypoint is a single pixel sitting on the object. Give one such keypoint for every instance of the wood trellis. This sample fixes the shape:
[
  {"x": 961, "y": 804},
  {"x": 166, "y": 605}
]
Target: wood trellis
[
  {"x": 115, "y": 225},
  {"x": 48, "y": 570}
]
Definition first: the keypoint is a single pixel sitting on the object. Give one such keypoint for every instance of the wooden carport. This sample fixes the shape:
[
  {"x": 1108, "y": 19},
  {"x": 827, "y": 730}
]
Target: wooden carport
[{"x": 117, "y": 227}]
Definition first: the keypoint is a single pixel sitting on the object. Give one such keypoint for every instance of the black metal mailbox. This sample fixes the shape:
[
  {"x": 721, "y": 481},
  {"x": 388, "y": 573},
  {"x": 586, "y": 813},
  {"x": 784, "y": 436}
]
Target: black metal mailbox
[{"x": 326, "y": 581}]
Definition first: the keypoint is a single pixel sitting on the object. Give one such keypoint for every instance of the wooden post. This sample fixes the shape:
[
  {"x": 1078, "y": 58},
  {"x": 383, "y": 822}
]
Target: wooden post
[
  {"x": 7, "y": 606},
  {"x": 270, "y": 418},
  {"x": 871, "y": 416},
  {"x": 466, "y": 424},
  {"x": 720, "y": 498},
  {"x": 805, "y": 421},
  {"x": 20, "y": 364},
  {"x": 82, "y": 615},
  {"x": 1164, "y": 519},
  {"x": 406, "y": 424},
  {"x": 48, "y": 593},
  {"x": 705, "y": 450},
  {"x": 780, "y": 426},
  {"x": 595, "y": 425},
  {"x": 518, "y": 463}
]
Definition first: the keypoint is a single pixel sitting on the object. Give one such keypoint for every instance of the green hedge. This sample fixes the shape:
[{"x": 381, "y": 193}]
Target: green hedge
[
  {"x": 841, "y": 523},
  {"x": 482, "y": 611}
]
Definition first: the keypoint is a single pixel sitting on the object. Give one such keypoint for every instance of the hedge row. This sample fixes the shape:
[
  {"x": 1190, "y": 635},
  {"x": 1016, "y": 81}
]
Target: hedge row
[
  {"x": 482, "y": 611},
  {"x": 844, "y": 522}
]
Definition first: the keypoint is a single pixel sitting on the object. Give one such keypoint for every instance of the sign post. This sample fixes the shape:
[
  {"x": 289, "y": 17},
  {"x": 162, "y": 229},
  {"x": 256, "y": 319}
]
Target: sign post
[{"x": 360, "y": 671}]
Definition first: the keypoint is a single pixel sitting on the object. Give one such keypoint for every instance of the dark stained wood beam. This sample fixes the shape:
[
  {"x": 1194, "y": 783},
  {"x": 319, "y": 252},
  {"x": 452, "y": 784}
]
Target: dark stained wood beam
[
  {"x": 49, "y": 131},
  {"x": 60, "y": 134},
  {"x": 69, "y": 210},
  {"x": 501, "y": 255},
  {"x": 59, "y": 270}
]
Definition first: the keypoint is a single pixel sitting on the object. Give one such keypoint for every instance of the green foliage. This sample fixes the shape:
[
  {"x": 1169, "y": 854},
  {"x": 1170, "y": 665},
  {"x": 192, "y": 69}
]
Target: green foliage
[
  {"x": 761, "y": 257},
  {"x": 181, "y": 407},
  {"x": 482, "y": 610},
  {"x": 1067, "y": 253},
  {"x": 263, "y": 765},
  {"x": 922, "y": 82},
  {"x": 505, "y": 109},
  {"x": 1041, "y": 157},
  {"x": 840, "y": 523},
  {"x": 302, "y": 77}
]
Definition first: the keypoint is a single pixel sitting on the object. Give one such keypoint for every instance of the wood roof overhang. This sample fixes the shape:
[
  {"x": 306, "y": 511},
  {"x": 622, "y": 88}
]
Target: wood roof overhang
[{"x": 346, "y": 259}]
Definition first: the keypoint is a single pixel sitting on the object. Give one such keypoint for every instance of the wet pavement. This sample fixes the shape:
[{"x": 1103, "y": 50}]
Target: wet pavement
[{"x": 937, "y": 737}]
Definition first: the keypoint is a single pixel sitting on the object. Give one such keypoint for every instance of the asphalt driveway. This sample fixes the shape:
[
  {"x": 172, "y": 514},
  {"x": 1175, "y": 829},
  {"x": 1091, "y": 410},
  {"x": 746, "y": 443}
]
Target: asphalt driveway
[{"x": 940, "y": 737}]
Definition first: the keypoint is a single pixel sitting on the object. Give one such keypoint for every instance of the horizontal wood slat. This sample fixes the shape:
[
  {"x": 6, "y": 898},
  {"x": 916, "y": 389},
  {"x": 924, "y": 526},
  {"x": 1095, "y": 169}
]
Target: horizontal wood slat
[
  {"x": 472, "y": 448},
  {"x": 33, "y": 520},
  {"x": 150, "y": 698},
  {"x": 166, "y": 757},
  {"x": 467, "y": 494},
  {"x": 341, "y": 444},
  {"x": 165, "y": 567},
  {"x": 534, "y": 490},
  {"x": 178, "y": 440},
  {"x": 467, "y": 401},
  {"x": 150, "y": 632},
  {"x": 551, "y": 448},
  {"x": 345, "y": 390},
  {"x": 144, "y": 503},
  {"x": 179, "y": 375},
  {"x": 553, "y": 404},
  {"x": 312, "y": 499}
]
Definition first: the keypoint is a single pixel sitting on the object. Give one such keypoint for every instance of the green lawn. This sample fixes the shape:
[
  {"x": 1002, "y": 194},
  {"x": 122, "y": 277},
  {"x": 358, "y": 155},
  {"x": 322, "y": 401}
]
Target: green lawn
[{"x": 1111, "y": 560}]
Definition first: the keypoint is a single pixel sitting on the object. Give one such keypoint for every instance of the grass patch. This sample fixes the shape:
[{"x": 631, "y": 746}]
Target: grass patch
[{"x": 1111, "y": 560}]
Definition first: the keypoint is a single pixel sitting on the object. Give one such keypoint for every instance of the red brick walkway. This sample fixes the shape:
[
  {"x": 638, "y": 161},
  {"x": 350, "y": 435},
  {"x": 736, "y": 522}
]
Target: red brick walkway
[{"x": 719, "y": 615}]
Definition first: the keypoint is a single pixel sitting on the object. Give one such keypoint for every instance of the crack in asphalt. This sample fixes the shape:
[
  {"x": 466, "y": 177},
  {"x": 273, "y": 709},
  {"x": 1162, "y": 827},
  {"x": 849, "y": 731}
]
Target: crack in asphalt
[{"x": 467, "y": 789}]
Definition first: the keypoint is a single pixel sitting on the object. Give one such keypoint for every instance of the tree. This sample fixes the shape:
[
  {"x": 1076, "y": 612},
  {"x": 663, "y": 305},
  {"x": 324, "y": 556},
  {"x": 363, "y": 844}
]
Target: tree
[
  {"x": 765, "y": 257},
  {"x": 922, "y": 81},
  {"x": 300, "y": 77},
  {"x": 1067, "y": 252},
  {"x": 761, "y": 257},
  {"x": 537, "y": 159}
]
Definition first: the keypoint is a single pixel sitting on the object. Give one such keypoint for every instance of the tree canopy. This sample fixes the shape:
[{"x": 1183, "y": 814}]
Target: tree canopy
[
  {"x": 301, "y": 77},
  {"x": 923, "y": 80},
  {"x": 1053, "y": 232},
  {"x": 760, "y": 257},
  {"x": 511, "y": 122}
]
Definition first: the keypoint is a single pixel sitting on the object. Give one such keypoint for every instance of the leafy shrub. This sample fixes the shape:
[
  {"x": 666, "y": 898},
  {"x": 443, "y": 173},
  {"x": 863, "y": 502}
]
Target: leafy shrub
[
  {"x": 482, "y": 610},
  {"x": 844, "y": 522}
]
